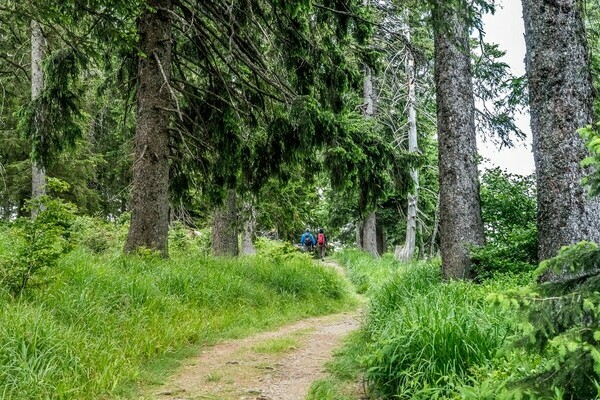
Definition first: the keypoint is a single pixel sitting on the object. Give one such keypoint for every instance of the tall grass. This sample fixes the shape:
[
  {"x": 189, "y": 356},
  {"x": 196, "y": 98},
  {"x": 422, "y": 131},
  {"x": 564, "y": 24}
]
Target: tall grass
[
  {"x": 92, "y": 326},
  {"x": 423, "y": 338},
  {"x": 366, "y": 272}
]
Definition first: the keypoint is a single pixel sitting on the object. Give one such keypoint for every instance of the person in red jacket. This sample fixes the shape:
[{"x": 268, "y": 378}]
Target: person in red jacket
[{"x": 321, "y": 244}]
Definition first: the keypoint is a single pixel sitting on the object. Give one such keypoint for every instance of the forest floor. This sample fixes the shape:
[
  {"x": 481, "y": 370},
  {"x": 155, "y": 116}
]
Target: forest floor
[{"x": 275, "y": 365}]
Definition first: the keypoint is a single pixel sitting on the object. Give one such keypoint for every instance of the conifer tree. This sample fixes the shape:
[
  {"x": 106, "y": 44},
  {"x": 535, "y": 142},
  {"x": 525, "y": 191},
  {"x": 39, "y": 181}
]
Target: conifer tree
[
  {"x": 561, "y": 101},
  {"x": 461, "y": 225}
]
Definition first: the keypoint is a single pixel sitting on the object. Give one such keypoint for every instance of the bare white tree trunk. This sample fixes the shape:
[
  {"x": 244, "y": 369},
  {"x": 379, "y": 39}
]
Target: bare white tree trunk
[
  {"x": 408, "y": 250},
  {"x": 38, "y": 172},
  {"x": 369, "y": 99}
]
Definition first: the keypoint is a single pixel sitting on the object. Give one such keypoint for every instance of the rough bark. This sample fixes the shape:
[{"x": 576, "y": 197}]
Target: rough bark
[
  {"x": 381, "y": 240},
  {"x": 249, "y": 229},
  {"x": 359, "y": 233},
  {"x": 560, "y": 101},
  {"x": 408, "y": 251},
  {"x": 150, "y": 196},
  {"x": 460, "y": 211},
  {"x": 436, "y": 225},
  {"x": 38, "y": 172},
  {"x": 225, "y": 228},
  {"x": 369, "y": 234}
]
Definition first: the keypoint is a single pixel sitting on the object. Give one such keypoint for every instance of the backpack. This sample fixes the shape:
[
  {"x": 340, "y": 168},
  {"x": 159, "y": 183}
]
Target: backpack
[
  {"x": 321, "y": 238},
  {"x": 307, "y": 241}
]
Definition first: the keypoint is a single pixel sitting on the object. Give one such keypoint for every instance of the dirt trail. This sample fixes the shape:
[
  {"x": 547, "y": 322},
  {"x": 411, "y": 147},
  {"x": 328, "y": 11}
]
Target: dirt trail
[{"x": 276, "y": 365}]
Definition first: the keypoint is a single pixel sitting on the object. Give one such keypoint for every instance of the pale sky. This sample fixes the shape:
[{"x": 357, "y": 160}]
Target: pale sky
[{"x": 505, "y": 28}]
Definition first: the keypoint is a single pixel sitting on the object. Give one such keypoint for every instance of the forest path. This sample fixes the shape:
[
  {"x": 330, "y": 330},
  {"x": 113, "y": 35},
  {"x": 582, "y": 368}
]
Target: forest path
[{"x": 274, "y": 365}]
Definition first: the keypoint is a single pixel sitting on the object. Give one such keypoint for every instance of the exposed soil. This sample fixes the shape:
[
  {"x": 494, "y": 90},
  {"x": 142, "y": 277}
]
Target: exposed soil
[{"x": 276, "y": 365}]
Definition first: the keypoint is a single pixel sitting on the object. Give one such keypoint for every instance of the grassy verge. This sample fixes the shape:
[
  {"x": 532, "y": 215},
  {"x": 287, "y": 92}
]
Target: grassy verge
[
  {"x": 422, "y": 338},
  {"x": 101, "y": 323}
]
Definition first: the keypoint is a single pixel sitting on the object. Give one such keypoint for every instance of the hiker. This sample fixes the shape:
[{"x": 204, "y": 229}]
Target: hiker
[
  {"x": 307, "y": 240},
  {"x": 321, "y": 244}
]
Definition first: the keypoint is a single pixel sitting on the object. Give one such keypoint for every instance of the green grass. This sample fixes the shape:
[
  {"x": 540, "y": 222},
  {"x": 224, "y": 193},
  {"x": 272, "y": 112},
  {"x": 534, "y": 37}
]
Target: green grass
[
  {"x": 422, "y": 338},
  {"x": 366, "y": 272},
  {"x": 99, "y": 324},
  {"x": 276, "y": 346},
  {"x": 327, "y": 389}
]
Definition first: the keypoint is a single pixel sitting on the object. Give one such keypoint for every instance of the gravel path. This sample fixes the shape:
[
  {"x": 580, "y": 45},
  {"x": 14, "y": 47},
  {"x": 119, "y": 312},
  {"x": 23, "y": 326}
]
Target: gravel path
[{"x": 275, "y": 365}]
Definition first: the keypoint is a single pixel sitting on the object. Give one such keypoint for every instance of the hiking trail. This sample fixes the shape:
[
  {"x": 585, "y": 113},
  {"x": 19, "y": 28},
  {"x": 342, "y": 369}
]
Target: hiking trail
[{"x": 274, "y": 365}]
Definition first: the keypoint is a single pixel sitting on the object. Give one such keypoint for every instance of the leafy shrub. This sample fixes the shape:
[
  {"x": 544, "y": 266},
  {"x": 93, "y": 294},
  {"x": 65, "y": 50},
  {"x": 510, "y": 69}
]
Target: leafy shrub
[
  {"x": 183, "y": 238},
  {"x": 563, "y": 327},
  {"x": 97, "y": 235},
  {"x": 508, "y": 208},
  {"x": 278, "y": 250},
  {"x": 515, "y": 253},
  {"x": 36, "y": 244}
]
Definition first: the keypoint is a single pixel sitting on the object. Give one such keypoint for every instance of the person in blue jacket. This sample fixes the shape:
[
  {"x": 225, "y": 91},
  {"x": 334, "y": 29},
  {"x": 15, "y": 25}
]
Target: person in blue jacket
[{"x": 307, "y": 240}]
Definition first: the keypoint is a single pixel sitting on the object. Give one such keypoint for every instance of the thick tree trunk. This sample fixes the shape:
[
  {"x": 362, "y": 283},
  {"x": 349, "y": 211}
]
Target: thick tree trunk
[
  {"x": 560, "y": 101},
  {"x": 249, "y": 229},
  {"x": 38, "y": 172},
  {"x": 460, "y": 211},
  {"x": 150, "y": 198},
  {"x": 369, "y": 234},
  {"x": 408, "y": 251},
  {"x": 225, "y": 228}
]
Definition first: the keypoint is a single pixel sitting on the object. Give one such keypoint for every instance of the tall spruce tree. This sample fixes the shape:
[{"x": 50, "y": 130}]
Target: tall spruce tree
[
  {"x": 461, "y": 225},
  {"x": 245, "y": 99},
  {"x": 150, "y": 197},
  {"x": 561, "y": 101}
]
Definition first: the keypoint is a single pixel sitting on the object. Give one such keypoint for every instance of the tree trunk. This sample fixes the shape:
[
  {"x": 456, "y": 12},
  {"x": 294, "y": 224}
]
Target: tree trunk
[
  {"x": 359, "y": 234},
  {"x": 225, "y": 228},
  {"x": 38, "y": 172},
  {"x": 560, "y": 101},
  {"x": 249, "y": 230},
  {"x": 460, "y": 210},
  {"x": 436, "y": 225},
  {"x": 369, "y": 234},
  {"x": 381, "y": 240},
  {"x": 150, "y": 198},
  {"x": 408, "y": 250}
]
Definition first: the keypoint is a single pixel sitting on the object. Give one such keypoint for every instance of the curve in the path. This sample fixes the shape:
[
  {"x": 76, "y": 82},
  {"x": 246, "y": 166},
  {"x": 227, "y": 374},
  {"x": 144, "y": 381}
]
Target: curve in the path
[{"x": 235, "y": 370}]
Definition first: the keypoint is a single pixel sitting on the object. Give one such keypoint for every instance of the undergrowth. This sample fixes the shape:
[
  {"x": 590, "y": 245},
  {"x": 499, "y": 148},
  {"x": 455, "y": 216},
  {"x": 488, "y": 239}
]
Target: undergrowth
[
  {"x": 422, "y": 338},
  {"x": 98, "y": 319}
]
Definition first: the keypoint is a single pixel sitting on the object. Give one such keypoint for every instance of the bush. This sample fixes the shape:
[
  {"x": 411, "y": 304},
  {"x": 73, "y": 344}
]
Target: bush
[
  {"x": 97, "y": 235},
  {"x": 516, "y": 253},
  {"x": 508, "y": 206},
  {"x": 563, "y": 326},
  {"x": 36, "y": 244}
]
